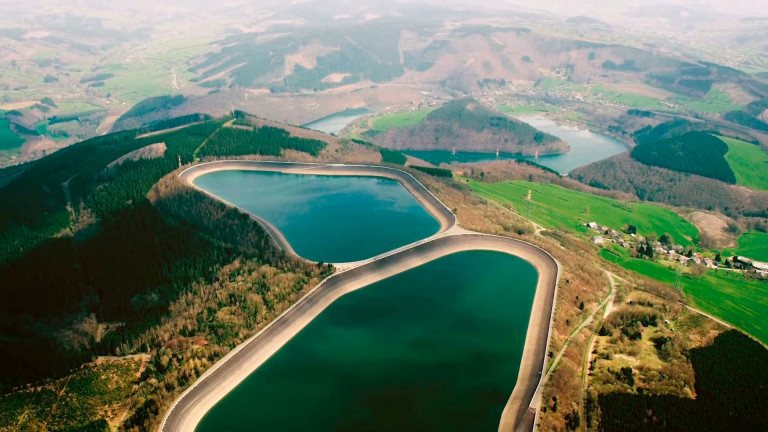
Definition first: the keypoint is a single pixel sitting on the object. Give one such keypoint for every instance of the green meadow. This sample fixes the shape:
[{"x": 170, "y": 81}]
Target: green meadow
[
  {"x": 752, "y": 245},
  {"x": 725, "y": 294},
  {"x": 627, "y": 99},
  {"x": 399, "y": 120},
  {"x": 554, "y": 206},
  {"x": 521, "y": 109},
  {"x": 9, "y": 141},
  {"x": 749, "y": 163}
]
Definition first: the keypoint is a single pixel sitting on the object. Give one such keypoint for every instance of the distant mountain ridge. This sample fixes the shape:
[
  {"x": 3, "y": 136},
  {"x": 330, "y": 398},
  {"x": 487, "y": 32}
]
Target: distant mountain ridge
[{"x": 466, "y": 125}]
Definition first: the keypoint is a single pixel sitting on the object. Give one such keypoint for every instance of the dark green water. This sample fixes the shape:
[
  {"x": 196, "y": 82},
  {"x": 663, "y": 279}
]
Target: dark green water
[
  {"x": 330, "y": 219},
  {"x": 444, "y": 156},
  {"x": 436, "y": 348}
]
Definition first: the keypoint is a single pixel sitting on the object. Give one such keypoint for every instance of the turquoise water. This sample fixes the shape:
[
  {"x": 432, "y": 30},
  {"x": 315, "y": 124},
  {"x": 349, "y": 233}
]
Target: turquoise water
[
  {"x": 444, "y": 156},
  {"x": 334, "y": 123},
  {"x": 326, "y": 218},
  {"x": 436, "y": 348},
  {"x": 586, "y": 147}
]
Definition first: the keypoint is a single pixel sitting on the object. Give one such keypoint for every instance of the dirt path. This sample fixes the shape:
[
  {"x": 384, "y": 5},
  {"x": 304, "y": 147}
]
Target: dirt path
[
  {"x": 588, "y": 320},
  {"x": 164, "y": 131},
  {"x": 587, "y": 357},
  {"x": 197, "y": 150},
  {"x": 174, "y": 80}
]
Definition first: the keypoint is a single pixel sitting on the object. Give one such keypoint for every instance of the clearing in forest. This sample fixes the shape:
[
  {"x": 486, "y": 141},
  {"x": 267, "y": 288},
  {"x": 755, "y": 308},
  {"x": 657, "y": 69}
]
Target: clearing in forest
[{"x": 749, "y": 163}]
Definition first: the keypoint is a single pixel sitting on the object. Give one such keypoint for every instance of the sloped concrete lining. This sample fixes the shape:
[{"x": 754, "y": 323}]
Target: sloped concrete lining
[{"x": 521, "y": 409}]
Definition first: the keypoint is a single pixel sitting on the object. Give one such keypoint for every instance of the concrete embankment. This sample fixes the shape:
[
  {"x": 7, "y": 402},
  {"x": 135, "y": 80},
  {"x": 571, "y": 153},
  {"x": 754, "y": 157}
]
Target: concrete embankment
[
  {"x": 444, "y": 216},
  {"x": 226, "y": 374},
  {"x": 234, "y": 368}
]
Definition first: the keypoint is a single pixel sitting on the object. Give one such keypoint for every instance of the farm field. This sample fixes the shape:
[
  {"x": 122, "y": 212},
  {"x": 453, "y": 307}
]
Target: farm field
[
  {"x": 521, "y": 109},
  {"x": 629, "y": 99},
  {"x": 714, "y": 102},
  {"x": 399, "y": 120},
  {"x": 553, "y": 206},
  {"x": 753, "y": 245},
  {"x": 9, "y": 141},
  {"x": 748, "y": 162},
  {"x": 724, "y": 294}
]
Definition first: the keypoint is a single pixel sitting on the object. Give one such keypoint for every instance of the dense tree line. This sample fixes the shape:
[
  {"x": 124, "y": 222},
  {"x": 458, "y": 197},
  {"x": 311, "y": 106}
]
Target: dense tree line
[
  {"x": 694, "y": 152},
  {"x": 650, "y": 183},
  {"x": 392, "y": 157},
  {"x": 154, "y": 108},
  {"x": 668, "y": 129},
  {"x": 267, "y": 140},
  {"x": 437, "y": 172},
  {"x": 750, "y": 116},
  {"x": 175, "y": 122},
  {"x": 731, "y": 381},
  {"x": 745, "y": 119}
]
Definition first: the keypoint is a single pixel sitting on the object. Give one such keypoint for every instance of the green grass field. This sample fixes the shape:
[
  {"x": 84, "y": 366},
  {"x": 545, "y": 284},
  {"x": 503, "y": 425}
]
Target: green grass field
[
  {"x": 399, "y": 120},
  {"x": 629, "y": 99},
  {"x": 713, "y": 102},
  {"x": 9, "y": 141},
  {"x": 549, "y": 83},
  {"x": 752, "y": 245},
  {"x": 77, "y": 107},
  {"x": 521, "y": 109},
  {"x": 725, "y": 294},
  {"x": 553, "y": 206},
  {"x": 749, "y": 163}
]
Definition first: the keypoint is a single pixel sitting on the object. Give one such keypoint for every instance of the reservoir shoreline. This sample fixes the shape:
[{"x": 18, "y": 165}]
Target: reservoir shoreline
[{"x": 521, "y": 409}]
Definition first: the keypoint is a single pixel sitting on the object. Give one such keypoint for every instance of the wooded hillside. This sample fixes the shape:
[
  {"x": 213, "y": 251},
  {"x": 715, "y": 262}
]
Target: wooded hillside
[
  {"x": 694, "y": 153},
  {"x": 468, "y": 126},
  {"x": 80, "y": 242}
]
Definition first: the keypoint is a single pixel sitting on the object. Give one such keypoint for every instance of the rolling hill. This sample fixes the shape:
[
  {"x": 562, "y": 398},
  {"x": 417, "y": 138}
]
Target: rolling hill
[
  {"x": 468, "y": 126},
  {"x": 694, "y": 153}
]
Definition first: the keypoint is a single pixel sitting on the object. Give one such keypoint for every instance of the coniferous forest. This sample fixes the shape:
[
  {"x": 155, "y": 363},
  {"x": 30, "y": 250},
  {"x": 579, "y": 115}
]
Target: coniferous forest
[
  {"x": 731, "y": 385},
  {"x": 82, "y": 240}
]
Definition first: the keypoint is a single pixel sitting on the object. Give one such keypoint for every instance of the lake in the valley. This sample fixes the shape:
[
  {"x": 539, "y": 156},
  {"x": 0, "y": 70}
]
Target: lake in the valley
[
  {"x": 586, "y": 147},
  {"x": 334, "y": 123}
]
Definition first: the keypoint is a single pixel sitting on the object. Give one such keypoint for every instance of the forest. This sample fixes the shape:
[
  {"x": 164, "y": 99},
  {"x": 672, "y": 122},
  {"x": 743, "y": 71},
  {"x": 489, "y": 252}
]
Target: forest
[
  {"x": 694, "y": 153},
  {"x": 650, "y": 183},
  {"x": 437, "y": 172},
  {"x": 134, "y": 117},
  {"x": 467, "y": 125},
  {"x": 731, "y": 381},
  {"x": 114, "y": 255},
  {"x": 392, "y": 157},
  {"x": 267, "y": 140}
]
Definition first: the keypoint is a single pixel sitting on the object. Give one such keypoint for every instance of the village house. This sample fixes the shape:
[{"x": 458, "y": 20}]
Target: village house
[{"x": 598, "y": 240}]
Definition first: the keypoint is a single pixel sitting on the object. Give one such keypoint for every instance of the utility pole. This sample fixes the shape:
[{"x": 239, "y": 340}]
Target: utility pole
[{"x": 679, "y": 281}]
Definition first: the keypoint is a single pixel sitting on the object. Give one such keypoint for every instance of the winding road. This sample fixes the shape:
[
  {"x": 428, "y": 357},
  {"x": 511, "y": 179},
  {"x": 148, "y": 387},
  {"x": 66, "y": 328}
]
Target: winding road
[{"x": 522, "y": 407}]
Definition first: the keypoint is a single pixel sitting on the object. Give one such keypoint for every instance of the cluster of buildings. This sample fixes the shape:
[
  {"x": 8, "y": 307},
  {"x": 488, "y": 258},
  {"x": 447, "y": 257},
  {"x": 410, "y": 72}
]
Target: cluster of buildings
[{"x": 675, "y": 252}]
